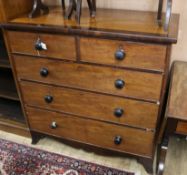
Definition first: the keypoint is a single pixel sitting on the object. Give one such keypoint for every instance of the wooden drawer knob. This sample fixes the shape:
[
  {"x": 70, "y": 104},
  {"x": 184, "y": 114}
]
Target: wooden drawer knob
[
  {"x": 120, "y": 54},
  {"x": 39, "y": 45},
  {"x": 44, "y": 72},
  {"x": 118, "y": 140},
  {"x": 54, "y": 125},
  {"x": 119, "y": 84},
  {"x": 118, "y": 112},
  {"x": 48, "y": 99}
]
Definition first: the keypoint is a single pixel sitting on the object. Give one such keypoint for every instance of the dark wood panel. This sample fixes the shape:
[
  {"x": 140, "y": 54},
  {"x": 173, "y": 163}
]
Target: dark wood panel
[
  {"x": 137, "y": 55},
  {"x": 58, "y": 46},
  {"x": 4, "y": 63},
  {"x": 11, "y": 110},
  {"x": 92, "y": 132},
  {"x": 14, "y": 127},
  {"x": 96, "y": 78},
  {"x": 7, "y": 85},
  {"x": 3, "y": 52},
  {"x": 92, "y": 105}
]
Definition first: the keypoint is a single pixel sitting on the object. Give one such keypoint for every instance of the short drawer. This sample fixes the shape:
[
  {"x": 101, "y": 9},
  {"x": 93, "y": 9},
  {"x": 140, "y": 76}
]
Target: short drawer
[
  {"x": 91, "y": 105},
  {"x": 123, "y": 54},
  {"x": 113, "y": 81},
  {"x": 182, "y": 128},
  {"x": 57, "y": 46},
  {"x": 91, "y": 132}
]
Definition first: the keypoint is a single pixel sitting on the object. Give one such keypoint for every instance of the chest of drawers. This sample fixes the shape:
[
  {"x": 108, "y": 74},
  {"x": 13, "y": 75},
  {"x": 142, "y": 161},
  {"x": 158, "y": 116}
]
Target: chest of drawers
[{"x": 101, "y": 86}]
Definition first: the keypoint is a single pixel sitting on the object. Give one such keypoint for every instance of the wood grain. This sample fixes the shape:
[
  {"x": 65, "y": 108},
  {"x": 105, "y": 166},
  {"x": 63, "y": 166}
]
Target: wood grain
[
  {"x": 95, "y": 78},
  {"x": 119, "y": 20},
  {"x": 182, "y": 128},
  {"x": 92, "y": 132},
  {"x": 178, "y": 97},
  {"x": 92, "y": 105},
  {"x": 14, "y": 127},
  {"x": 58, "y": 46},
  {"x": 138, "y": 55},
  {"x": 11, "y": 9}
]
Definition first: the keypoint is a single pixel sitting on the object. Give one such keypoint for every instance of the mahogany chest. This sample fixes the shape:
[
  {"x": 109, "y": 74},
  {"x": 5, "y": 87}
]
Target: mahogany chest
[{"x": 101, "y": 83}]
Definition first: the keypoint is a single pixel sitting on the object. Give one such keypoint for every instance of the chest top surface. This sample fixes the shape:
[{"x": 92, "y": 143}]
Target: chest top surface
[
  {"x": 178, "y": 96},
  {"x": 121, "y": 24}
]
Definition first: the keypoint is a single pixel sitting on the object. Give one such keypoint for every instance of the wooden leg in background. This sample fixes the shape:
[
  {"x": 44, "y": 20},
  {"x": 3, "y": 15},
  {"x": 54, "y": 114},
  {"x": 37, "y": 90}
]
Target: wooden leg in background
[
  {"x": 78, "y": 11},
  {"x": 71, "y": 8},
  {"x": 92, "y": 7},
  {"x": 160, "y": 7},
  {"x": 168, "y": 14},
  {"x": 147, "y": 163},
  {"x": 63, "y": 7},
  {"x": 35, "y": 137},
  {"x": 38, "y": 7}
]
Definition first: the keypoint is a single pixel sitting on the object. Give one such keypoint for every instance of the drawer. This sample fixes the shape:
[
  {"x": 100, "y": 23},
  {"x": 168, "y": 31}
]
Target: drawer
[
  {"x": 94, "y": 78},
  {"x": 58, "y": 46},
  {"x": 182, "y": 128},
  {"x": 91, "y": 132},
  {"x": 123, "y": 54},
  {"x": 91, "y": 105}
]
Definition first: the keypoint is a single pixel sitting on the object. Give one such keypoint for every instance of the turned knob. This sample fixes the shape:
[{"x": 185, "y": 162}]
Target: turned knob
[
  {"x": 39, "y": 45},
  {"x": 119, "y": 84},
  {"x": 54, "y": 125},
  {"x": 120, "y": 54},
  {"x": 117, "y": 140},
  {"x": 118, "y": 112},
  {"x": 44, "y": 72},
  {"x": 48, "y": 99}
]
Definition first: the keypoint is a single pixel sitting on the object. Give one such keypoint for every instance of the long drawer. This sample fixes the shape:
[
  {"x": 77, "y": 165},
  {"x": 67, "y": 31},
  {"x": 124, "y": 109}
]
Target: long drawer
[
  {"x": 57, "y": 46},
  {"x": 101, "y": 134},
  {"x": 91, "y": 105},
  {"x": 123, "y": 54},
  {"x": 114, "y": 81}
]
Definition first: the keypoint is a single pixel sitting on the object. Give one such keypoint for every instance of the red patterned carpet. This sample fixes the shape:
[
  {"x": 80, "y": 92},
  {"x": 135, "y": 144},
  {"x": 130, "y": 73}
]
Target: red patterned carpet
[{"x": 16, "y": 159}]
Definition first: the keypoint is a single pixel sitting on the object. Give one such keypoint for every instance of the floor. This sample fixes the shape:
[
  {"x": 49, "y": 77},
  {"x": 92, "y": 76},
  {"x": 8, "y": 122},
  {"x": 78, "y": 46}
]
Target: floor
[{"x": 175, "y": 163}]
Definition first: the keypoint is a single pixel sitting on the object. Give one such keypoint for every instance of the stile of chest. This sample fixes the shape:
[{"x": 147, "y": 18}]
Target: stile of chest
[{"x": 92, "y": 87}]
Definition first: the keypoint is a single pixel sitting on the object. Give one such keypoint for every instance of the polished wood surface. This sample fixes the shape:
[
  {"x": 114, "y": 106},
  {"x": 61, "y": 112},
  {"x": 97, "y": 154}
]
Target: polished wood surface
[
  {"x": 1, "y": 13},
  {"x": 182, "y": 128},
  {"x": 58, "y": 46},
  {"x": 91, "y": 105},
  {"x": 89, "y": 77},
  {"x": 91, "y": 132},
  {"x": 121, "y": 20},
  {"x": 138, "y": 55},
  {"x": 178, "y": 100},
  {"x": 12, "y": 9},
  {"x": 86, "y": 89}
]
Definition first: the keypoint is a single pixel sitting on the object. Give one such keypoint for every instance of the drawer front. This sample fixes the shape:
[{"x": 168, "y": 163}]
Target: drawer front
[
  {"x": 92, "y": 132},
  {"x": 58, "y": 46},
  {"x": 182, "y": 128},
  {"x": 91, "y": 105},
  {"x": 124, "y": 54},
  {"x": 95, "y": 78}
]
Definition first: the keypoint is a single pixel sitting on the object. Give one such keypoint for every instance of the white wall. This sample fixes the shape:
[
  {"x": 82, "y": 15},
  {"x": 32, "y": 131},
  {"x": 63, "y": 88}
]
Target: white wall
[{"x": 179, "y": 6}]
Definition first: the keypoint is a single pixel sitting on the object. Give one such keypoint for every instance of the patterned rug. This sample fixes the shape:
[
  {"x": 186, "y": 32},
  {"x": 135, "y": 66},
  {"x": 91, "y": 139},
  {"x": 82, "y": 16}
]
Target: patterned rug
[{"x": 16, "y": 159}]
